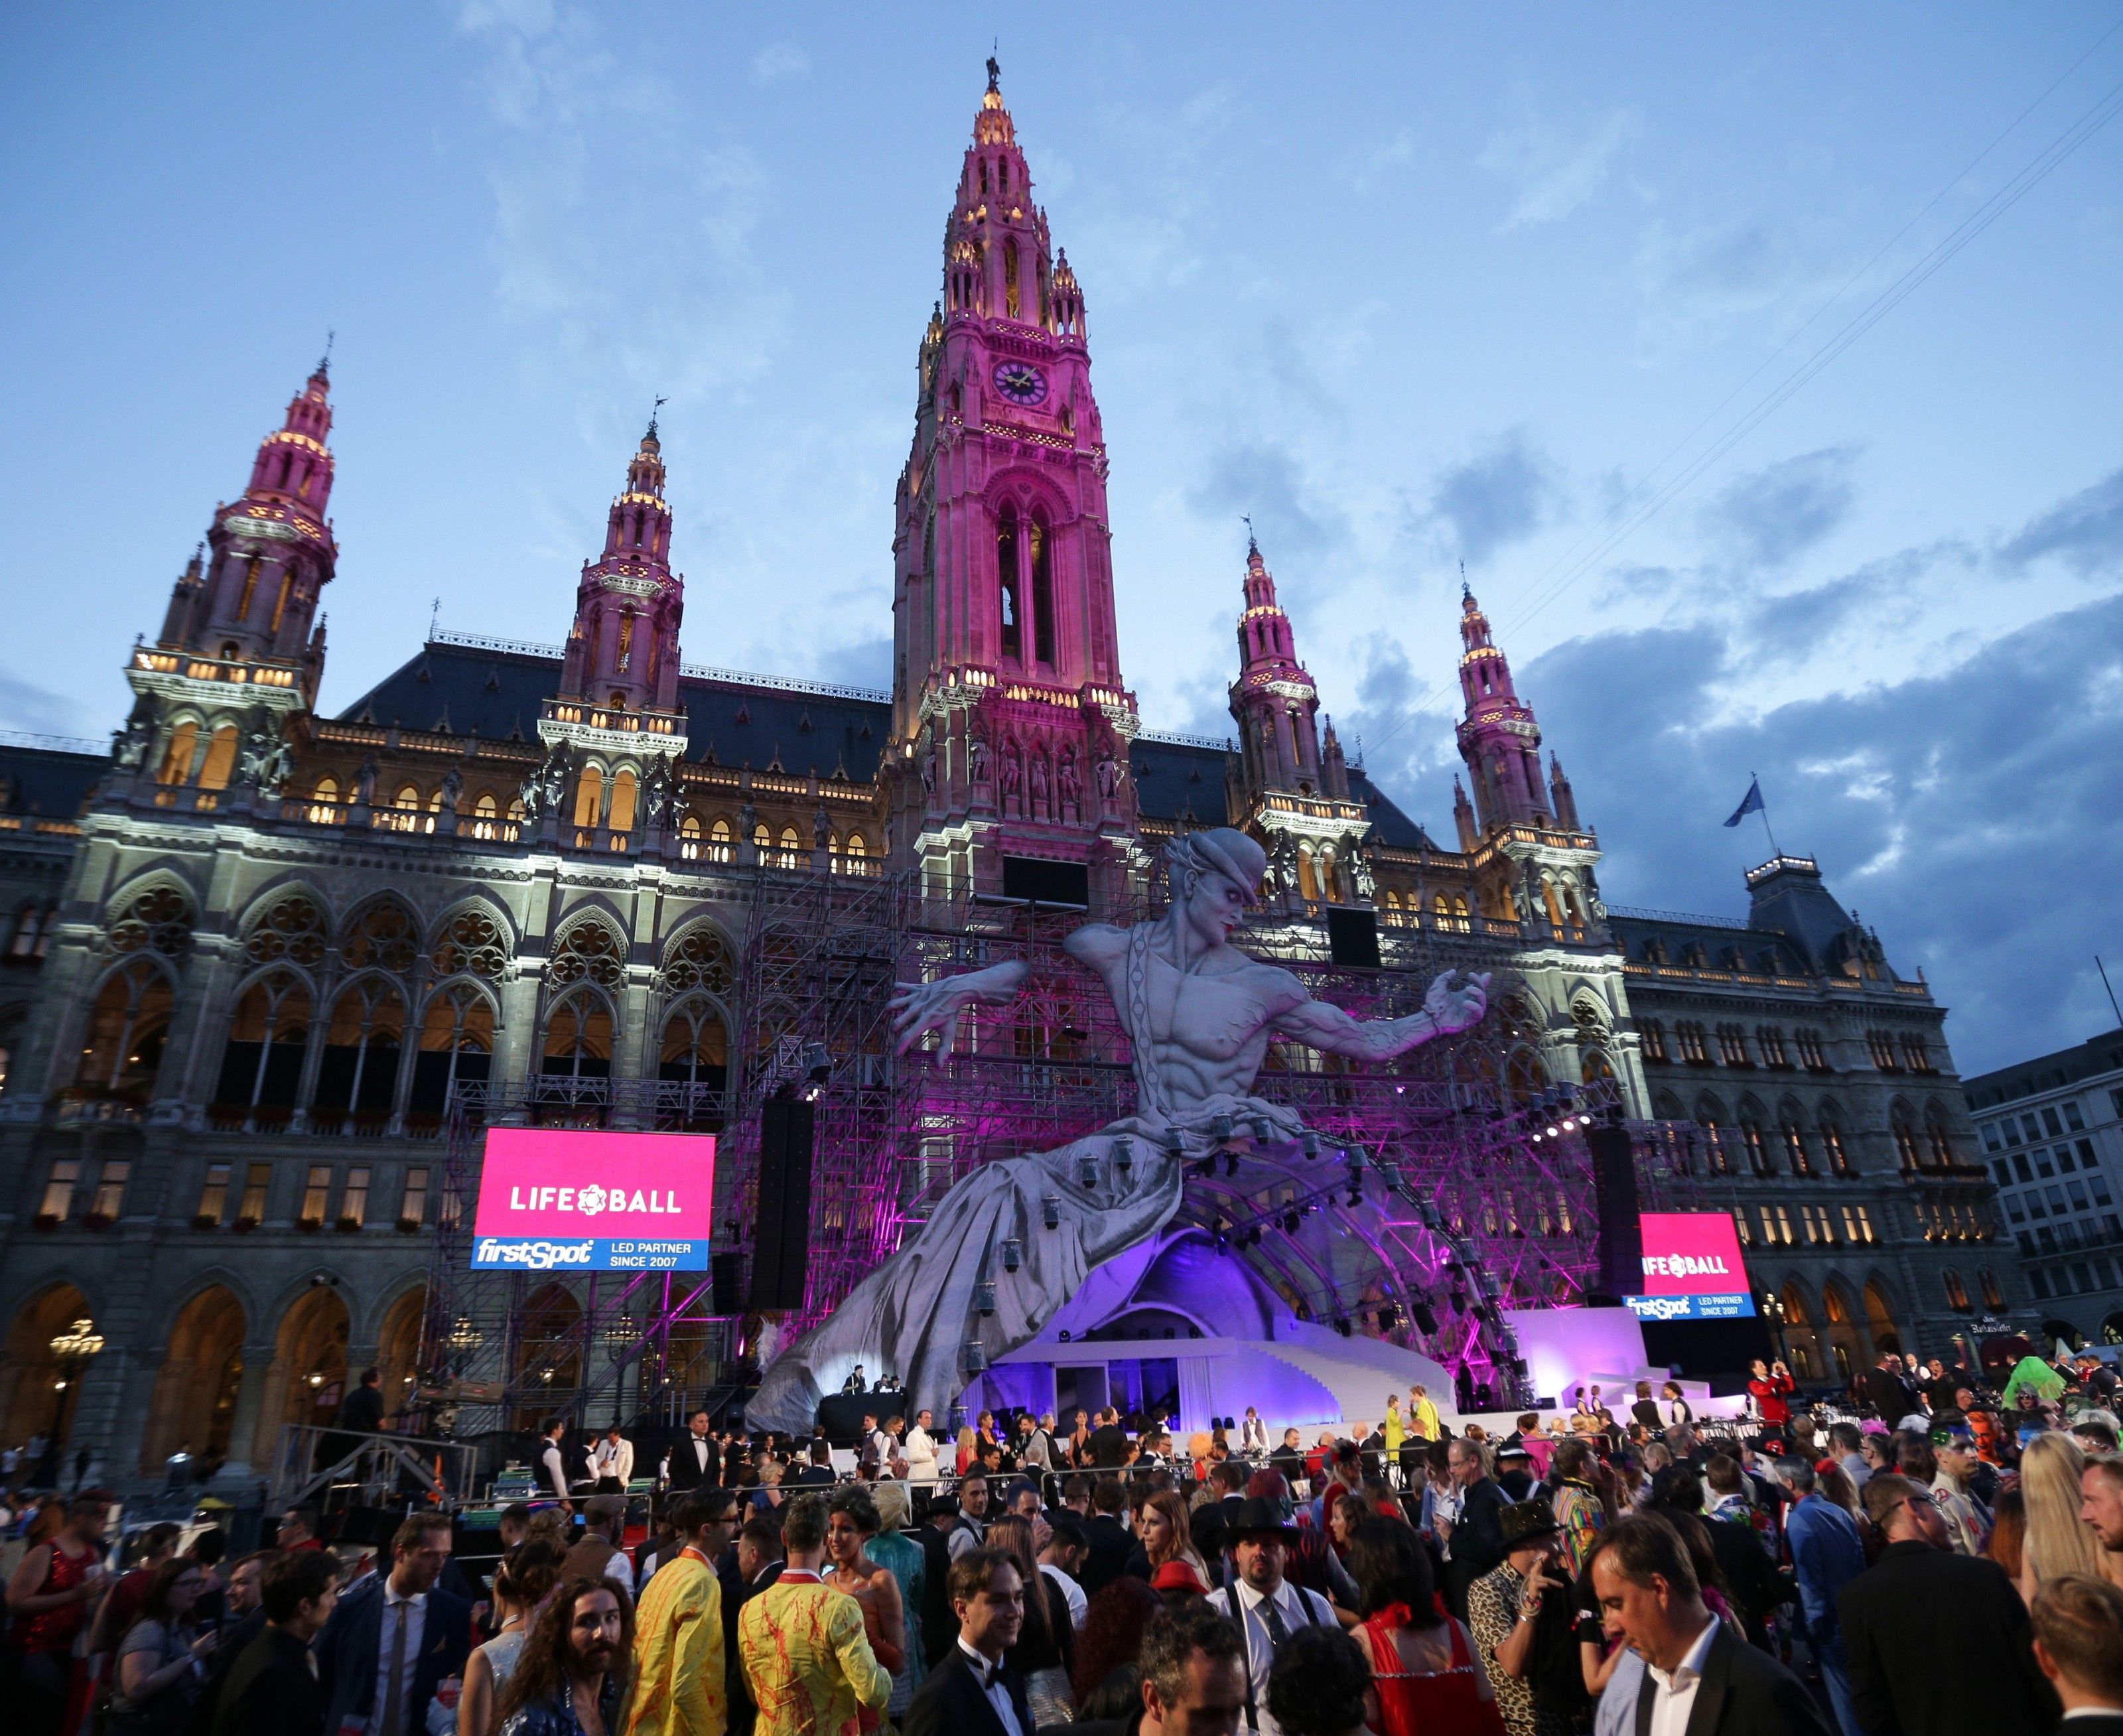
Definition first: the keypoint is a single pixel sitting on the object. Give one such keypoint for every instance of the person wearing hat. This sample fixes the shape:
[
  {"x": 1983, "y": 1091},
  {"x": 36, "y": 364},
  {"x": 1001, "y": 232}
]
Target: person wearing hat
[
  {"x": 597, "y": 1554},
  {"x": 1503, "y": 1605},
  {"x": 1515, "y": 1471},
  {"x": 1266, "y": 1607}
]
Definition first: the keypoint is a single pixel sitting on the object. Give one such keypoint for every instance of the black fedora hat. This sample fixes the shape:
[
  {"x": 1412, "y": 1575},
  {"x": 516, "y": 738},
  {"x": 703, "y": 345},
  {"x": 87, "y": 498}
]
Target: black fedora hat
[
  {"x": 1525, "y": 1522},
  {"x": 1260, "y": 1513}
]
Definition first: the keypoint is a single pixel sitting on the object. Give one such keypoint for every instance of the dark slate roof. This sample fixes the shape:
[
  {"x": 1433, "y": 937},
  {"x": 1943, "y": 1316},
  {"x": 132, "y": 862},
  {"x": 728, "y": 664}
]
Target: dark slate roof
[
  {"x": 495, "y": 691},
  {"x": 52, "y": 784},
  {"x": 1760, "y": 951},
  {"x": 2097, "y": 1055},
  {"x": 473, "y": 691}
]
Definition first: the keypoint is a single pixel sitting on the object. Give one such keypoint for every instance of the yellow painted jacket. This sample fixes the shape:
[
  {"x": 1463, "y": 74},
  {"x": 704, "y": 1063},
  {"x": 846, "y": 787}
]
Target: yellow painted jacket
[
  {"x": 807, "y": 1661},
  {"x": 678, "y": 1687}
]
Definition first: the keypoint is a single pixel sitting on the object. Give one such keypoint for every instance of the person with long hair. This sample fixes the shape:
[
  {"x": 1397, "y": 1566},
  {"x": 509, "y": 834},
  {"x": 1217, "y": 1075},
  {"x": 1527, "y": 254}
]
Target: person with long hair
[
  {"x": 968, "y": 1449},
  {"x": 572, "y": 1676},
  {"x": 1045, "y": 1642},
  {"x": 155, "y": 1681},
  {"x": 1111, "y": 1639},
  {"x": 2057, "y": 1540},
  {"x": 2008, "y": 1533},
  {"x": 1430, "y": 1680},
  {"x": 1162, "y": 1527},
  {"x": 527, "y": 1573},
  {"x": 851, "y": 1522}
]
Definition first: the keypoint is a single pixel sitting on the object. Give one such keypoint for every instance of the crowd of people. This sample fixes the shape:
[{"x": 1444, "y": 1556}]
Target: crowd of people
[{"x": 1958, "y": 1566}]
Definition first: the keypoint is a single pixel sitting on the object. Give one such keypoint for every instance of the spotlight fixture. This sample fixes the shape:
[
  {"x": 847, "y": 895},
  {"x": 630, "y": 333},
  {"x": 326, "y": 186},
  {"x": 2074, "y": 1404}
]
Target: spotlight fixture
[
  {"x": 1341, "y": 1326},
  {"x": 972, "y": 1356},
  {"x": 1289, "y": 1224},
  {"x": 1051, "y": 1210},
  {"x": 1223, "y": 1242},
  {"x": 1206, "y": 1168},
  {"x": 1220, "y": 1129},
  {"x": 1426, "y": 1318},
  {"x": 1123, "y": 1154},
  {"x": 984, "y": 1296},
  {"x": 1013, "y": 1253},
  {"x": 1230, "y": 1162},
  {"x": 1087, "y": 1172},
  {"x": 1308, "y": 1142}
]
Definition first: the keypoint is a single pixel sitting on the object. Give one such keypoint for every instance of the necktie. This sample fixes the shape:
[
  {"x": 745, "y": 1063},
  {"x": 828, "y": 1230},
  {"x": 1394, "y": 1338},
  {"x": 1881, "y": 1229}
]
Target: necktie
[
  {"x": 1276, "y": 1631},
  {"x": 395, "y": 1688}
]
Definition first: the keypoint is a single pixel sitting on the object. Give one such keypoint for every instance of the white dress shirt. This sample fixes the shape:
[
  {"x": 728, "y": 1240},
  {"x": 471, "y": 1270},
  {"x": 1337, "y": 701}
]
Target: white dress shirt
[
  {"x": 1297, "y": 1608},
  {"x": 1079, "y": 1605},
  {"x": 416, "y": 1622},
  {"x": 1676, "y": 1692},
  {"x": 556, "y": 1471},
  {"x": 990, "y": 1675},
  {"x": 697, "y": 1447}
]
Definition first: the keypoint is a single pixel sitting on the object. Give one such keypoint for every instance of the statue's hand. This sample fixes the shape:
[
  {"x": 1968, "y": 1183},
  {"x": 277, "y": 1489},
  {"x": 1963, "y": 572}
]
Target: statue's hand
[
  {"x": 921, "y": 1007},
  {"x": 1452, "y": 1009}
]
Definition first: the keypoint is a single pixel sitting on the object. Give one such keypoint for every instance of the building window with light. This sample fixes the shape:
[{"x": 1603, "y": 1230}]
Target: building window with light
[
  {"x": 213, "y": 1196},
  {"x": 59, "y": 1191},
  {"x": 1652, "y": 1035},
  {"x": 1692, "y": 1045},
  {"x": 1732, "y": 1046},
  {"x": 413, "y": 1202},
  {"x": 1811, "y": 1053},
  {"x": 1881, "y": 1047},
  {"x": 1772, "y": 1043},
  {"x": 317, "y": 1196},
  {"x": 354, "y": 1201},
  {"x": 257, "y": 1182}
]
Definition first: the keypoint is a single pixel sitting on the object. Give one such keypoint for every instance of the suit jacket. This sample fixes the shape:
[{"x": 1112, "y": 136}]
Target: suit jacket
[
  {"x": 1827, "y": 1554},
  {"x": 1889, "y": 1393},
  {"x": 687, "y": 1472},
  {"x": 940, "y": 1624},
  {"x": 348, "y": 1650},
  {"x": 235, "y": 1641},
  {"x": 680, "y": 1685},
  {"x": 806, "y": 1659},
  {"x": 1108, "y": 1558},
  {"x": 1940, "y": 1642},
  {"x": 950, "y": 1702},
  {"x": 1646, "y": 1411},
  {"x": 1744, "y": 1692},
  {"x": 624, "y": 1470},
  {"x": 1477, "y": 1541},
  {"x": 270, "y": 1686}
]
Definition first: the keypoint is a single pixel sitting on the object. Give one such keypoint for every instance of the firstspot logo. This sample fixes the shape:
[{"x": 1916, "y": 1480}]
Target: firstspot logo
[{"x": 538, "y": 1256}]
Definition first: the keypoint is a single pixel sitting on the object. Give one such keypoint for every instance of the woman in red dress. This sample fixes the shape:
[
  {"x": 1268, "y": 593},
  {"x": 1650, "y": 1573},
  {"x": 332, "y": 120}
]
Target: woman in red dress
[{"x": 1429, "y": 1678}]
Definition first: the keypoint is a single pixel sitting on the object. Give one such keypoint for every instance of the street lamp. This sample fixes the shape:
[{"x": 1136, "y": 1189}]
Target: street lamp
[
  {"x": 72, "y": 1350},
  {"x": 1773, "y": 1311}
]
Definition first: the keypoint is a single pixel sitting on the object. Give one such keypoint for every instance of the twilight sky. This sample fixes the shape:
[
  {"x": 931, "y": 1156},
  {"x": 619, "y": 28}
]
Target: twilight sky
[{"x": 1411, "y": 289}]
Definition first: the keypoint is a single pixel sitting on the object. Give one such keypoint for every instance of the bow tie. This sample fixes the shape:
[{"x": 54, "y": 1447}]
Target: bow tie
[{"x": 990, "y": 1674}]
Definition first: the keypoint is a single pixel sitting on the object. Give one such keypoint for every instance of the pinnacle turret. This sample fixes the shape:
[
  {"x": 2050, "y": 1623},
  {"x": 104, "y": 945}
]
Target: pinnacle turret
[{"x": 623, "y": 649}]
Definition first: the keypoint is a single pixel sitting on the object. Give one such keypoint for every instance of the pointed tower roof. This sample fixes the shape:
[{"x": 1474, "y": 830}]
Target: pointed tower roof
[{"x": 1267, "y": 647}]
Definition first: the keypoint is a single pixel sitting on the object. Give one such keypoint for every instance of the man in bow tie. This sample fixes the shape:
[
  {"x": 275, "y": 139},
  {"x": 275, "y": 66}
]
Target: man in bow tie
[{"x": 972, "y": 1691}]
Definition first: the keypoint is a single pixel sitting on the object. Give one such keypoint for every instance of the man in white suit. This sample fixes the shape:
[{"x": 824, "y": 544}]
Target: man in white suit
[{"x": 612, "y": 1462}]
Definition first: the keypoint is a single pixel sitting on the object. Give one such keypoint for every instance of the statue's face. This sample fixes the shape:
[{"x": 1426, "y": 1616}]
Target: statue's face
[{"x": 1216, "y": 905}]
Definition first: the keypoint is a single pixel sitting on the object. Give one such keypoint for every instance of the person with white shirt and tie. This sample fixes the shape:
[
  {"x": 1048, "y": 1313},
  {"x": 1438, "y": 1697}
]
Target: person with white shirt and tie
[
  {"x": 1700, "y": 1679},
  {"x": 1252, "y": 1434},
  {"x": 394, "y": 1639},
  {"x": 696, "y": 1461},
  {"x": 552, "y": 1466},
  {"x": 1266, "y": 1606},
  {"x": 972, "y": 1693},
  {"x": 612, "y": 1462},
  {"x": 921, "y": 1451}
]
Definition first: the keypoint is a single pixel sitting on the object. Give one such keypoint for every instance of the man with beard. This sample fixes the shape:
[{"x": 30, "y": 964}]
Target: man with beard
[{"x": 571, "y": 1677}]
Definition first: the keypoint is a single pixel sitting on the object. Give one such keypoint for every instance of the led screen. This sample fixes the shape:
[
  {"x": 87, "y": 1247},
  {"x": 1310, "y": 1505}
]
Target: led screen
[
  {"x": 1692, "y": 1270},
  {"x": 554, "y": 1198}
]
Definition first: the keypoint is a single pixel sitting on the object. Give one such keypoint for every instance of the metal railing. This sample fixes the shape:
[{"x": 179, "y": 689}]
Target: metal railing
[{"x": 420, "y": 1468}]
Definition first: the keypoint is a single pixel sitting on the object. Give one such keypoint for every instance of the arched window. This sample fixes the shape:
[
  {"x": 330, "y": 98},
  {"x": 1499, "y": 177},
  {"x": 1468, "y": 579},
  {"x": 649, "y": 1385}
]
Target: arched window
[
  {"x": 409, "y": 798},
  {"x": 358, "y": 1076},
  {"x": 261, "y": 1067},
  {"x": 220, "y": 763},
  {"x": 1009, "y": 290},
  {"x": 1956, "y": 1292},
  {"x": 1796, "y": 1154},
  {"x": 1750, "y": 1135},
  {"x": 1042, "y": 591},
  {"x": 457, "y": 1046},
  {"x": 589, "y": 798},
  {"x": 1937, "y": 1142},
  {"x": 695, "y": 1056},
  {"x": 622, "y": 801},
  {"x": 1832, "y": 1142},
  {"x": 382, "y": 936},
  {"x": 177, "y": 758},
  {"x": 1011, "y": 600},
  {"x": 128, "y": 1027},
  {"x": 690, "y": 827},
  {"x": 1994, "y": 1297},
  {"x": 324, "y": 808},
  {"x": 790, "y": 845},
  {"x": 471, "y": 944},
  {"x": 587, "y": 969},
  {"x": 1905, "y": 1141}
]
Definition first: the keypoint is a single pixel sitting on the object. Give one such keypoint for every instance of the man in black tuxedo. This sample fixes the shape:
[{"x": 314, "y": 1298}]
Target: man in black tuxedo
[
  {"x": 1938, "y": 1642},
  {"x": 759, "y": 1564},
  {"x": 1109, "y": 1442},
  {"x": 1477, "y": 1537},
  {"x": 972, "y": 1693},
  {"x": 402, "y": 1616},
  {"x": 2079, "y": 1645},
  {"x": 1701, "y": 1677},
  {"x": 1107, "y": 1536},
  {"x": 271, "y": 1686},
  {"x": 697, "y": 1462},
  {"x": 938, "y": 1624},
  {"x": 1886, "y": 1389}
]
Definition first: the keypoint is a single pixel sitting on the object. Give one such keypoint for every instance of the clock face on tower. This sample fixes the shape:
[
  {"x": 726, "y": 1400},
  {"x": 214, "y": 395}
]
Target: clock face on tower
[{"x": 1020, "y": 382}]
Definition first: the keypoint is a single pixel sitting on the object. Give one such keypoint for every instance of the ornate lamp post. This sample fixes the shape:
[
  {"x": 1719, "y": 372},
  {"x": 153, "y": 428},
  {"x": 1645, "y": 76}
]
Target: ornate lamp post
[
  {"x": 1773, "y": 1311},
  {"x": 73, "y": 1349}
]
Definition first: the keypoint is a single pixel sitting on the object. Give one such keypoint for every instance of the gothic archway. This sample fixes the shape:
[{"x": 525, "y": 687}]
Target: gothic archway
[
  {"x": 308, "y": 1377},
  {"x": 194, "y": 1408},
  {"x": 32, "y": 1398}
]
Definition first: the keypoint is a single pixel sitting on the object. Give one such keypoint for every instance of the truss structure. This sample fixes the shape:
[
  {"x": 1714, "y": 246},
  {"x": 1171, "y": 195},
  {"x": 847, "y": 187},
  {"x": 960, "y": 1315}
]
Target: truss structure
[{"x": 1430, "y": 1196}]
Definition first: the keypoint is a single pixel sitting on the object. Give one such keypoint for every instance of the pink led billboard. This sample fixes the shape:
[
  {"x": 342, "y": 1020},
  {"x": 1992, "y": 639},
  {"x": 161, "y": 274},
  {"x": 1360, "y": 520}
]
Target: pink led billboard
[
  {"x": 571, "y": 1199},
  {"x": 1692, "y": 1269}
]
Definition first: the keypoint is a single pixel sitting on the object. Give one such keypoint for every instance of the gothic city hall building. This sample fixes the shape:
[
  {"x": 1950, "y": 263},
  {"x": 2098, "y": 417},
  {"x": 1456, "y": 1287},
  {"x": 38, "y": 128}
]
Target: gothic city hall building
[{"x": 254, "y": 954}]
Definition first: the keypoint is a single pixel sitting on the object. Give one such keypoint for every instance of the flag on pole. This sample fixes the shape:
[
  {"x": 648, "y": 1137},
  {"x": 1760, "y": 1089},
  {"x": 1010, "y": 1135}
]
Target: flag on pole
[{"x": 1750, "y": 803}]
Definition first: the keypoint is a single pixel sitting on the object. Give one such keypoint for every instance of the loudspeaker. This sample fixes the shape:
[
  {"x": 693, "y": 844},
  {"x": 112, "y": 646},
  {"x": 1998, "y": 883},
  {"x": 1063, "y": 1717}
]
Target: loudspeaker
[
  {"x": 727, "y": 1284},
  {"x": 1352, "y": 937},
  {"x": 781, "y": 1243},
  {"x": 1426, "y": 1318},
  {"x": 1621, "y": 1245}
]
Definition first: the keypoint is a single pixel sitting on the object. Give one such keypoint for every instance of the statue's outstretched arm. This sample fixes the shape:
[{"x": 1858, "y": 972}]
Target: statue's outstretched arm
[
  {"x": 1445, "y": 1009},
  {"x": 920, "y": 1007}
]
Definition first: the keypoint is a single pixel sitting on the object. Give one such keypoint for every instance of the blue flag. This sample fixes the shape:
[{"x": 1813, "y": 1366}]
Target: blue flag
[{"x": 1750, "y": 803}]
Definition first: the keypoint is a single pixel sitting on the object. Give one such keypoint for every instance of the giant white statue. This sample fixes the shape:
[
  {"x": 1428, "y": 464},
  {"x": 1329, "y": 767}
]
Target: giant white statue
[{"x": 1199, "y": 1015}]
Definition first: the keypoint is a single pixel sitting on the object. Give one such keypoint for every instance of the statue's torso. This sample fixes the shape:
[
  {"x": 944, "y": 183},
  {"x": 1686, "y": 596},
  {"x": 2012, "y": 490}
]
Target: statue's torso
[{"x": 1208, "y": 1030}]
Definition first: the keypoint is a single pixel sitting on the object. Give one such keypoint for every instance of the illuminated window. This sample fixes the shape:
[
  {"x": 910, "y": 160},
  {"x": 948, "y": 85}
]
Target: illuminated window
[
  {"x": 1745, "y": 1228},
  {"x": 1043, "y": 592},
  {"x": 1784, "y": 1225},
  {"x": 251, "y": 1211},
  {"x": 1914, "y": 1054},
  {"x": 1831, "y": 1141},
  {"x": 1905, "y": 1143},
  {"x": 1881, "y": 1047},
  {"x": 1691, "y": 1037},
  {"x": 590, "y": 797},
  {"x": 1652, "y": 1036},
  {"x": 1772, "y": 1043},
  {"x": 622, "y": 801},
  {"x": 214, "y": 1195},
  {"x": 110, "y": 1191},
  {"x": 1956, "y": 1292},
  {"x": 1007, "y": 580},
  {"x": 1795, "y": 1152},
  {"x": 1994, "y": 1297},
  {"x": 220, "y": 763},
  {"x": 177, "y": 760},
  {"x": 856, "y": 847},
  {"x": 317, "y": 1196},
  {"x": 1864, "y": 1224},
  {"x": 1732, "y": 1046},
  {"x": 59, "y": 1190},
  {"x": 413, "y": 1202},
  {"x": 1811, "y": 1052},
  {"x": 354, "y": 1201}
]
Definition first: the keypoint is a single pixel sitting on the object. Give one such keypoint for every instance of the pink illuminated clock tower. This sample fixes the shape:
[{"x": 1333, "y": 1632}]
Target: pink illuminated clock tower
[{"x": 1008, "y": 768}]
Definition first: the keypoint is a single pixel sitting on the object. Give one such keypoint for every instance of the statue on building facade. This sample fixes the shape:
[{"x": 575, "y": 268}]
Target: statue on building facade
[{"x": 1199, "y": 1016}]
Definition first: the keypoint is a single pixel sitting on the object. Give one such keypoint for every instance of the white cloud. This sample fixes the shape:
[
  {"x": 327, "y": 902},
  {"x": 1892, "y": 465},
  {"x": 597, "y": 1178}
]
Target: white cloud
[
  {"x": 780, "y": 60},
  {"x": 1555, "y": 169}
]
